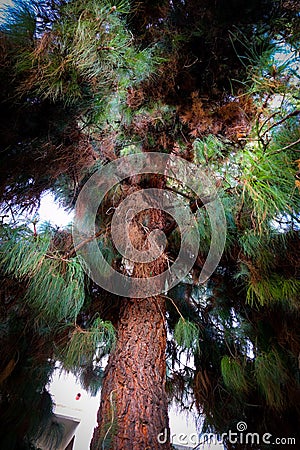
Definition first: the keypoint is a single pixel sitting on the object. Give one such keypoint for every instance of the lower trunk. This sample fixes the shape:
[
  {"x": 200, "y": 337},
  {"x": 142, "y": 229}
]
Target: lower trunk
[{"x": 133, "y": 413}]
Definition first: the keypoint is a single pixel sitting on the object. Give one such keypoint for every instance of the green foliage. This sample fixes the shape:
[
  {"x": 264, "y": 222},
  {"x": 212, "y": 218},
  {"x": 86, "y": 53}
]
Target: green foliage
[
  {"x": 274, "y": 289},
  {"x": 208, "y": 149},
  {"x": 62, "y": 284},
  {"x": 60, "y": 281},
  {"x": 233, "y": 374},
  {"x": 186, "y": 334},
  {"x": 283, "y": 136},
  {"x": 87, "y": 55},
  {"x": 269, "y": 184},
  {"x": 86, "y": 344},
  {"x": 21, "y": 252},
  {"x": 270, "y": 66},
  {"x": 204, "y": 229},
  {"x": 271, "y": 375},
  {"x": 254, "y": 243}
]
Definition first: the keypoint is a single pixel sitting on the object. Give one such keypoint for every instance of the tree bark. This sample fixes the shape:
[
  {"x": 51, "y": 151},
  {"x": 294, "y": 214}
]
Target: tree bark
[
  {"x": 133, "y": 413},
  {"x": 133, "y": 410}
]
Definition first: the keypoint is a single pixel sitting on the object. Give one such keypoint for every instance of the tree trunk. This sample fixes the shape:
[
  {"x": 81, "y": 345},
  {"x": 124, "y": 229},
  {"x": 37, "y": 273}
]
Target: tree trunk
[{"x": 133, "y": 411}]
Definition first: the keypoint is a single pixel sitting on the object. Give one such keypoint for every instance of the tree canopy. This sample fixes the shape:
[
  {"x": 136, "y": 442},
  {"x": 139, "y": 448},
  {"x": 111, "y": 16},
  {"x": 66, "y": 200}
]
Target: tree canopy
[{"x": 215, "y": 83}]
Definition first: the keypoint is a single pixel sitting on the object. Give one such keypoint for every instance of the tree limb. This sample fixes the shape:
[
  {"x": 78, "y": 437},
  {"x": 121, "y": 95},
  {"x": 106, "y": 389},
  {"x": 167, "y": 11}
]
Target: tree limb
[{"x": 288, "y": 116}]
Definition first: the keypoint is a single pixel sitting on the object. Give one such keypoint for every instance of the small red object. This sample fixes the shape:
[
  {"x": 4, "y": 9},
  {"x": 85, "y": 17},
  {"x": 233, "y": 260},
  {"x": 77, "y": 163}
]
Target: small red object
[{"x": 78, "y": 396}]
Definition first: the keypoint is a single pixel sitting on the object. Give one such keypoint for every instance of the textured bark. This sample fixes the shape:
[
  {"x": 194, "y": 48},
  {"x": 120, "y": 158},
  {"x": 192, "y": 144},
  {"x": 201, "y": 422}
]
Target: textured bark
[{"x": 133, "y": 409}]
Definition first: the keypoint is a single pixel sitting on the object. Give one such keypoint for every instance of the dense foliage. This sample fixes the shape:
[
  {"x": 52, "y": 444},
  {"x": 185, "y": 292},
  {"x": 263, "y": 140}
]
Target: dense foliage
[{"x": 217, "y": 83}]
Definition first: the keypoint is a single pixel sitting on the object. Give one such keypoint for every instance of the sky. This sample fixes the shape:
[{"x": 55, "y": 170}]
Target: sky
[{"x": 51, "y": 212}]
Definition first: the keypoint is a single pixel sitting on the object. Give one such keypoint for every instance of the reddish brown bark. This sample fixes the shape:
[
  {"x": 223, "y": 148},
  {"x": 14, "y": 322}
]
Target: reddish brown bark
[{"x": 133, "y": 409}]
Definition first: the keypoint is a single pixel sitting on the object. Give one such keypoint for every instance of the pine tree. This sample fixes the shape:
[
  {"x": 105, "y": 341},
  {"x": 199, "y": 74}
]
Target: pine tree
[{"x": 87, "y": 82}]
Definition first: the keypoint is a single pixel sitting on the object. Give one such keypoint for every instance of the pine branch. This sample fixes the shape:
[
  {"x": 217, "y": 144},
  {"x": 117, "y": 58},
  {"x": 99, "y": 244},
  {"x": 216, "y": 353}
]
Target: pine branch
[
  {"x": 288, "y": 116},
  {"x": 286, "y": 148},
  {"x": 83, "y": 243}
]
